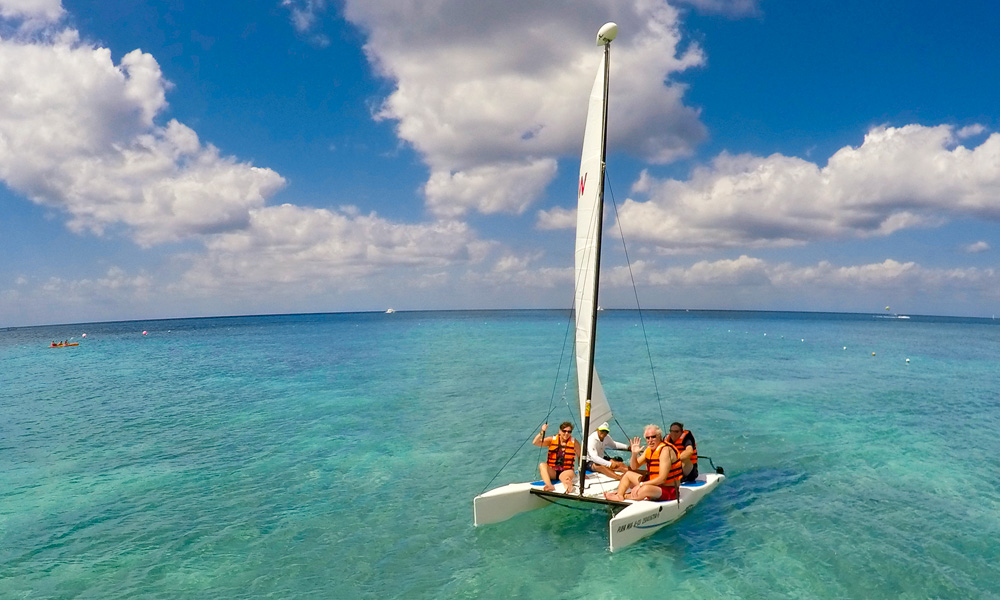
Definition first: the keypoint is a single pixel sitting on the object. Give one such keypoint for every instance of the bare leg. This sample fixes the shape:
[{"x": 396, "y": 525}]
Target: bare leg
[
  {"x": 647, "y": 492},
  {"x": 644, "y": 492},
  {"x": 566, "y": 477},
  {"x": 547, "y": 475},
  {"x": 628, "y": 480},
  {"x": 605, "y": 471}
]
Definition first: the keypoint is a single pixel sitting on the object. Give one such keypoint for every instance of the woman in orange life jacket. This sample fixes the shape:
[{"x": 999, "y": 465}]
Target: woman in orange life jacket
[
  {"x": 687, "y": 450},
  {"x": 664, "y": 475},
  {"x": 561, "y": 458}
]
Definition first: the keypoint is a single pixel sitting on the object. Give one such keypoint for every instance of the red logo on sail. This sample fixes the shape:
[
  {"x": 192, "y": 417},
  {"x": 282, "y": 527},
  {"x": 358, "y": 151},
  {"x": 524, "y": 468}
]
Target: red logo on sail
[{"x": 583, "y": 183}]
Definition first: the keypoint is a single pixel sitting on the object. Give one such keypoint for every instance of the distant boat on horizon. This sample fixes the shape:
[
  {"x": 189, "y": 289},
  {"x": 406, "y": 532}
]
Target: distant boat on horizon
[
  {"x": 390, "y": 311},
  {"x": 893, "y": 315}
]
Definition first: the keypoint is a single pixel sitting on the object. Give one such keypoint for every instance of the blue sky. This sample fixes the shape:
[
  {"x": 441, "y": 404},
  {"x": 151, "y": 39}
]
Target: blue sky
[{"x": 167, "y": 159}]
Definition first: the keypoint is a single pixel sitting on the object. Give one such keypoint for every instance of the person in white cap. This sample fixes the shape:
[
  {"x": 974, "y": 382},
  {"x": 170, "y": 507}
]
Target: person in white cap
[{"x": 597, "y": 444}]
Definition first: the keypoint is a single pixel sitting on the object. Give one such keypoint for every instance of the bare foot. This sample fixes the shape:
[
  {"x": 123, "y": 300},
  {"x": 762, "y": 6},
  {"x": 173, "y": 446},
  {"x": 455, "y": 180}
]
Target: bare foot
[
  {"x": 612, "y": 496},
  {"x": 548, "y": 487}
]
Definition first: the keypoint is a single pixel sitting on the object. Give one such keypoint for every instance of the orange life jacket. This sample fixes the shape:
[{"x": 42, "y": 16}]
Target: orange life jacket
[
  {"x": 680, "y": 444},
  {"x": 652, "y": 457},
  {"x": 569, "y": 454}
]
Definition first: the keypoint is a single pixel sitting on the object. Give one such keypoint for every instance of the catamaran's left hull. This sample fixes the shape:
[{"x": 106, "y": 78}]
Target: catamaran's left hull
[
  {"x": 513, "y": 499},
  {"x": 505, "y": 502}
]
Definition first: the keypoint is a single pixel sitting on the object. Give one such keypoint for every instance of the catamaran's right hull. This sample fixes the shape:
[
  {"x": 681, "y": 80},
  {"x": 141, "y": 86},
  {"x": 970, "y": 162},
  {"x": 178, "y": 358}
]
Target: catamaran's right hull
[{"x": 644, "y": 518}]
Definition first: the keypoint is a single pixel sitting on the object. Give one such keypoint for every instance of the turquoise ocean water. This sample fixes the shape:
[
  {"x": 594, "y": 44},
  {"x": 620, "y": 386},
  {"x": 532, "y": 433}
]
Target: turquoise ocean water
[{"x": 336, "y": 456}]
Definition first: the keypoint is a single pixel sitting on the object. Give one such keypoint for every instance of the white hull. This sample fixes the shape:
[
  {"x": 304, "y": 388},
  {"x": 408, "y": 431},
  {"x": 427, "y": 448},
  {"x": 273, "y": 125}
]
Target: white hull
[
  {"x": 502, "y": 503},
  {"x": 644, "y": 518},
  {"x": 637, "y": 519}
]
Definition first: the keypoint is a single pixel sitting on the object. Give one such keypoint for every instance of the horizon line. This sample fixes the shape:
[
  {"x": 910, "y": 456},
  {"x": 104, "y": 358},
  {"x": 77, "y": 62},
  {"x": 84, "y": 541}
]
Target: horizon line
[{"x": 443, "y": 310}]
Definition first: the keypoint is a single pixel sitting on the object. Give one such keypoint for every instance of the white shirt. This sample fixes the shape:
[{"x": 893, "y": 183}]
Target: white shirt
[{"x": 597, "y": 447}]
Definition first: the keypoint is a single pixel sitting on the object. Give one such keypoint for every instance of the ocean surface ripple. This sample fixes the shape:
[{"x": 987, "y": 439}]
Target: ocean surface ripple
[{"x": 337, "y": 455}]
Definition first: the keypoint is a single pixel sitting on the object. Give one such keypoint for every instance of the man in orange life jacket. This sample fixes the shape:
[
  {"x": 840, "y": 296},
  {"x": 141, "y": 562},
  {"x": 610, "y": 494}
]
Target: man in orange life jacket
[
  {"x": 664, "y": 476},
  {"x": 687, "y": 450},
  {"x": 561, "y": 458}
]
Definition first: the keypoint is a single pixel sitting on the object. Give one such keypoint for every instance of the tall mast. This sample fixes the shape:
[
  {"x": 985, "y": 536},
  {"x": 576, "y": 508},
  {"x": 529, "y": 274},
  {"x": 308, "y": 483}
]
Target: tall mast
[{"x": 604, "y": 37}]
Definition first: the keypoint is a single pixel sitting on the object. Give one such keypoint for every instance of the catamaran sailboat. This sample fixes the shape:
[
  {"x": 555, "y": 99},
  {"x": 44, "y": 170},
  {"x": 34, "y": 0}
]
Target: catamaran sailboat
[{"x": 633, "y": 519}]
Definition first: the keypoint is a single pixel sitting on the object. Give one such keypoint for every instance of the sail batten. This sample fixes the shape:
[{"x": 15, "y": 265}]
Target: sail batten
[{"x": 588, "y": 232}]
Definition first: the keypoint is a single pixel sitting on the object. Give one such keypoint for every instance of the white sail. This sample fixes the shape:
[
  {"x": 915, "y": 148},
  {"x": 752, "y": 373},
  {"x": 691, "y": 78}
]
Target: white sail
[{"x": 587, "y": 234}]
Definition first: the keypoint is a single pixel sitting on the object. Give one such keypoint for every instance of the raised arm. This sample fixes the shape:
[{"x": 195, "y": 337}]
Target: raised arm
[
  {"x": 540, "y": 437},
  {"x": 637, "y": 459}
]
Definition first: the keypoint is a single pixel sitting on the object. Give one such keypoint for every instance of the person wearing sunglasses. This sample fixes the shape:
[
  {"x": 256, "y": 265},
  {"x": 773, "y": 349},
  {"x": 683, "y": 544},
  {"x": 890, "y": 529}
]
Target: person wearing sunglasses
[
  {"x": 561, "y": 460},
  {"x": 687, "y": 450},
  {"x": 663, "y": 478}
]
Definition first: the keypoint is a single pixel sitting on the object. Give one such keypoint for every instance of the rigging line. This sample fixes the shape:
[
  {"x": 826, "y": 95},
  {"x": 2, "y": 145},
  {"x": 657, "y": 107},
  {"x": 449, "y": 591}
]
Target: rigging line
[
  {"x": 562, "y": 354},
  {"x": 642, "y": 323},
  {"x": 628, "y": 440},
  {"x": 532, "y": 434},
  {"x": 622, "y": 429},
  {"x": 542, "y": 449},
  {"x": 555, "y": 381},
  {"x": 570, "y": 324},
  {"x": 552, "y": 396}
]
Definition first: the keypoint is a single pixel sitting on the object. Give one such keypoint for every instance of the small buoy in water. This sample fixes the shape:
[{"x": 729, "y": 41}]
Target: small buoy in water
[
  {"x": 802, "y": 340},
  {"x": 907, "y": 361},
  {"x": 765, "y": 335},
  {"x": 845, "y": 347},
  {"x": 144, "y": 333},
  {"x": 83, "y": 335},
  {"x": 873, "y": 354}
]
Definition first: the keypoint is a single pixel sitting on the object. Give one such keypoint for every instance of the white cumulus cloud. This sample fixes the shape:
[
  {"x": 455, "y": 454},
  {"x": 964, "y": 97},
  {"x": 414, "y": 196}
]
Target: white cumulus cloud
[
  {"x": 78, "y": 133},
  {"x": 490, "y": 90},
  {"x": 319, "y": 249},
  {"x": 111, "y": 295},
  {"x": 31, "y": 15},
  {"x": 750, "y": 282},
  {"x": 556, "y": 218},
  {"x": 977, "y": 247},
  {"x": 898, "y": 178}
]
